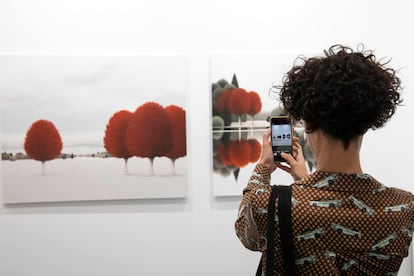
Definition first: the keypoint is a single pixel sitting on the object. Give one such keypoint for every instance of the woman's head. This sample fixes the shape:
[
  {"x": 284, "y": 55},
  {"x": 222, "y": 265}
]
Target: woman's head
[{"x": 343, "y": 93}]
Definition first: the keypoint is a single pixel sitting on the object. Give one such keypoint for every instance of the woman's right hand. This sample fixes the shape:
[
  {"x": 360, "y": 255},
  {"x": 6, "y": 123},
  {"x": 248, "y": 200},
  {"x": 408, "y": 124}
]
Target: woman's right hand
[{"x": 296, "y": 163}]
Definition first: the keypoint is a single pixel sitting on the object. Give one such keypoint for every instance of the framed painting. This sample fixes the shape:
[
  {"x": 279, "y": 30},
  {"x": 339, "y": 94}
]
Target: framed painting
[{"x": 93, "y": 127}]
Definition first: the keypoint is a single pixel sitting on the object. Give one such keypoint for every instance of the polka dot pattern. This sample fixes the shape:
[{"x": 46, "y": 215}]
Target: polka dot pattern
[{"x": 343, "y": 224}]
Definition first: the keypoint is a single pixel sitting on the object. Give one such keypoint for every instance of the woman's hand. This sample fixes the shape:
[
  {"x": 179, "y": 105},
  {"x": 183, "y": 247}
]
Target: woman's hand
[
  {"x": 296, "y": 165},
  {"x": 267, "y": 154},
  {"x": 296, "y": 162}
]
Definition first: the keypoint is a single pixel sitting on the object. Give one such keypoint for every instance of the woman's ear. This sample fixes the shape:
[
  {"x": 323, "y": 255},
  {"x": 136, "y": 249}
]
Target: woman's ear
[{"x": 308, "y": 128}]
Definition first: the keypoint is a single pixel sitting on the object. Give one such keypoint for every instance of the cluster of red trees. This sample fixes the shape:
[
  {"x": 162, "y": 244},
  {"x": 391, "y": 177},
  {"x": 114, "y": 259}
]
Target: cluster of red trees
[
  {"x": 238, "y": 101},
  {"x": 151, "y": 131},
  {"x": 229, "y": 99}
]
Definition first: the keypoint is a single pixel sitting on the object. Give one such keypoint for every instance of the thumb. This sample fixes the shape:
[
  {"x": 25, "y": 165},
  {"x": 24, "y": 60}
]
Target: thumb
[{"x": 288, "y": 157}]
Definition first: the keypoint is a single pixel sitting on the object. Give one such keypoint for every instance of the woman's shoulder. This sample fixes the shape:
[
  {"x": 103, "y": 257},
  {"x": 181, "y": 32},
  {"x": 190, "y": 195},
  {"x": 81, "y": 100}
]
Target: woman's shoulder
[{"x": 402, "y": 195}]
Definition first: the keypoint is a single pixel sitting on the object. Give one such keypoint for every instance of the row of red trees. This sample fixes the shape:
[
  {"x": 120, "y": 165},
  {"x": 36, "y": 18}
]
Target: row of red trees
[
  {"x": 228, "y": 99},
  {"x": 239, "y": 101},
  {"x": 151, "y": 131},
  {"x": 148, "y": 132}
]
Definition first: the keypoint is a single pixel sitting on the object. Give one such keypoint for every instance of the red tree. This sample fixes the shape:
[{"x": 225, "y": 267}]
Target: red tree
[
  {"x": 149, "y": 132},
  {"x": 43, "y": 142},
  {"x": 256, "y": 103},
  {"x": 178, "y": 127},
  {"x": 239, "y": 101},
  {"x": 115, "y": 136}
]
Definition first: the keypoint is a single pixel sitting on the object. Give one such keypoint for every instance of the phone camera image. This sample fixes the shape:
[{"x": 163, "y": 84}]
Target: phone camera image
[{"x": 281, "y": 129}]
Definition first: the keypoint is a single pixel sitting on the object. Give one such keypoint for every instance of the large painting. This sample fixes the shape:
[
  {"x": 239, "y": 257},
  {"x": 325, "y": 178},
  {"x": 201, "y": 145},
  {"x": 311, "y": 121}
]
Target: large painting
[
  {"x": 89, "y": 127},
  {"x": 242, "y": 101}
]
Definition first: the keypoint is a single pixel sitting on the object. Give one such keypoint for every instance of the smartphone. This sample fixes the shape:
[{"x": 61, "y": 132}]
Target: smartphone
[{"x": 281, "y": 133}]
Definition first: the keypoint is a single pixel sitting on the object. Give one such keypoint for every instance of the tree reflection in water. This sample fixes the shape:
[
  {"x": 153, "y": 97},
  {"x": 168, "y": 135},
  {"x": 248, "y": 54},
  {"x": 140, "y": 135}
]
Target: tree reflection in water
[{"x": 234, "y": 149}]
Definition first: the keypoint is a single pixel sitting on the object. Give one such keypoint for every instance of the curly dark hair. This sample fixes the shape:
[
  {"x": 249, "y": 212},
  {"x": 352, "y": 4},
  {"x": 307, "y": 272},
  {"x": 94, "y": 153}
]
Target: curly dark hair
[{"x": 344, "y": 93}]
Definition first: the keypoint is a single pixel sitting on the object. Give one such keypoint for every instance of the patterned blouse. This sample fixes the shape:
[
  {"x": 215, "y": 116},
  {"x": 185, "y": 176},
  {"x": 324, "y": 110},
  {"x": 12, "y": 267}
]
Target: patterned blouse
[{"x": 343, "y": 224}]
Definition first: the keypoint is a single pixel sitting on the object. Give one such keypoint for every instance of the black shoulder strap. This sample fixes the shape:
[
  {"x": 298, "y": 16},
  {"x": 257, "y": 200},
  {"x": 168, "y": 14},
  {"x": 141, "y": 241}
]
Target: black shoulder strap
[
  {"x": 286, "y": 230},
  {"x": 285, "y": 227}
]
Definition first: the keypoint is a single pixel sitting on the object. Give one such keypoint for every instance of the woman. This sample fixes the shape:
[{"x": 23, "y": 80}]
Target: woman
[{"x": 344, "y": 221}]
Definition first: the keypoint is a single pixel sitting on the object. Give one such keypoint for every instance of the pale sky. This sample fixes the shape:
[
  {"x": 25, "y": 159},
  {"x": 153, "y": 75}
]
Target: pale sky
[{"x": 79, "y": 93}]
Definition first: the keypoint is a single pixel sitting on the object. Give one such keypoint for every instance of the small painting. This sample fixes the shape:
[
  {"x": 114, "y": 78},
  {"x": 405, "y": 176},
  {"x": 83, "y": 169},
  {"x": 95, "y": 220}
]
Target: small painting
[{"x": 243, "y": 98}]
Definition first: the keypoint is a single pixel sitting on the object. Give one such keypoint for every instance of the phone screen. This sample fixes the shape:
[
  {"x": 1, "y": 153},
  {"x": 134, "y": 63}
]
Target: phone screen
[{"x": 281, "y": 129}]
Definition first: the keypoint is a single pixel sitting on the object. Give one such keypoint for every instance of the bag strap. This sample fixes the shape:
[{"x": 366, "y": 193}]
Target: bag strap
[
  {"x": 285, "y": 226},
  {"x": 286, "y": 230}
]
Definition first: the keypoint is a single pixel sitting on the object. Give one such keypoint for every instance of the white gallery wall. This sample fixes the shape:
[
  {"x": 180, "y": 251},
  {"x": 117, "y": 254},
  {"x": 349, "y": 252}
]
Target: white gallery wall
[{"x": 194, "y": 235}]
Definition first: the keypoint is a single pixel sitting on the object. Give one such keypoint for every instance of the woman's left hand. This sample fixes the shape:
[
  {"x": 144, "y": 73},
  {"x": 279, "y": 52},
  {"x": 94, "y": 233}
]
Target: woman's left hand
[{"x": 266, "y": 157}]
